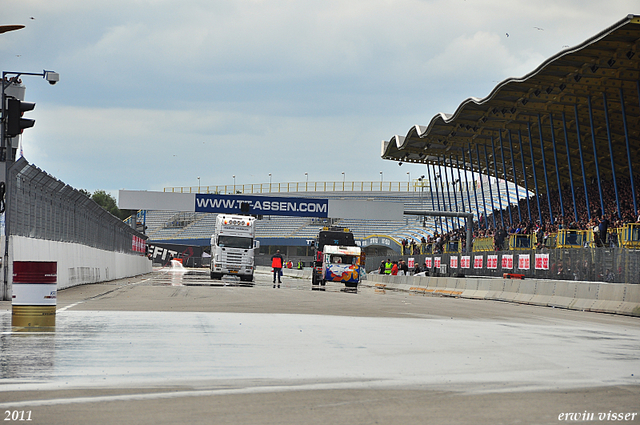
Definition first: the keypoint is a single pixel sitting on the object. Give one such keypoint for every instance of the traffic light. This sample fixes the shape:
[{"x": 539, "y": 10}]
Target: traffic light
[{"x": 15, "y": 122}]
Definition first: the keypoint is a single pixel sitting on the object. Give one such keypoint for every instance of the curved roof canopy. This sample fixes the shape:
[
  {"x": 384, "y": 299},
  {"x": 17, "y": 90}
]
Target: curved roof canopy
[{"x": 574, "y": 102}]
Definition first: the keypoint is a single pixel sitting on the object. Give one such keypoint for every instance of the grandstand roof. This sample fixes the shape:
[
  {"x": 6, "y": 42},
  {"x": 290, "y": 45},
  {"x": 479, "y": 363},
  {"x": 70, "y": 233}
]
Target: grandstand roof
[{"x": 594, "y": 88}]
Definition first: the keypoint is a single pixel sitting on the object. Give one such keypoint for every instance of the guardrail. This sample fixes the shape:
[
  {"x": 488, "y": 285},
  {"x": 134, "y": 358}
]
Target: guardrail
[{"x": 336, "y": 186}]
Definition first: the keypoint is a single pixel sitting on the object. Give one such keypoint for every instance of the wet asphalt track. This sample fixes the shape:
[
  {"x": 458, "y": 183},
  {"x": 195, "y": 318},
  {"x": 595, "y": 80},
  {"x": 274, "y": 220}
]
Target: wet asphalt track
[{"x": 176, "y": 347}]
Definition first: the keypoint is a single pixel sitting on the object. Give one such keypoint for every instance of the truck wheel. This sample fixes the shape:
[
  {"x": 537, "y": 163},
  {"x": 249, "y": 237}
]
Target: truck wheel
[{"x": 216, "y": 276}]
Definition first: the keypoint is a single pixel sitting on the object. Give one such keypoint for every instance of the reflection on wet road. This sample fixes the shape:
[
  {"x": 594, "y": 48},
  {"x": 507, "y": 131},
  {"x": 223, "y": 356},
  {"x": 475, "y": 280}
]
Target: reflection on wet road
[
  {"x": 97, "y": 348},
  {"x": 194, "y": 277},
  {"x": 153, "y": 348}
]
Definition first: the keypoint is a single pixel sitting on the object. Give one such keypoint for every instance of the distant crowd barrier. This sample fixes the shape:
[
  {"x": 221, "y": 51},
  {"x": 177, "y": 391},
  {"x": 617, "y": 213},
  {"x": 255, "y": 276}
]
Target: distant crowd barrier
[
  {"x": 619, "y": 265},
  {"x": 627, "y": 236},
  {"x": 616, "y": 298}
]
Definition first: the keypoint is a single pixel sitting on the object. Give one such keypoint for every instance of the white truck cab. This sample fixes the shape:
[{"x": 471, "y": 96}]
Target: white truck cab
[{"x": 232, "y": 247}]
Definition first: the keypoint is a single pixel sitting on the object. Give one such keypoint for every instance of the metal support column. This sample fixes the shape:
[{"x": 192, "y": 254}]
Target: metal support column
[
  {"x": 566, "y": 142},
  {"x": 595, "y": 155},
  {"x": 535, "y": 178},
  {"x": 433, "y": 205},
  {"x": 435, "y": 179},
  {"x": 495, "y": 171},
  {"x": 524, "y": 175},
  {"x": 493, "y": 207},
  {"x": 584, "y": 175},
  {"x": 466, "y": 179},
  {"x": 444, "y": 207},
  {"x": 555, "y": 159},
  {"x": 613, "y": 164},
  {"x": 544, "y": 168},
  {"x": 506, "y": 182},
  {"x": 467, "y": 216},
  {"x": 484, "y": 203},
  {"x": 515, "y": 176},
  {"x": 626, "y": 138},
  {"x": 473, "y": 182},
  {"x": 460, "y": 181},
  {"x": 446, "y": 177},
  {"x": 453, "y": 187}
]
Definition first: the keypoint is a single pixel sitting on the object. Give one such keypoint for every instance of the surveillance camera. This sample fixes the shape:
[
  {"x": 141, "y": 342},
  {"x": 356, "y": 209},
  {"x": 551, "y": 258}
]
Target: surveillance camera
[
  {"x": 399, "y": 164},
  {"x": 51, "y": 77}
]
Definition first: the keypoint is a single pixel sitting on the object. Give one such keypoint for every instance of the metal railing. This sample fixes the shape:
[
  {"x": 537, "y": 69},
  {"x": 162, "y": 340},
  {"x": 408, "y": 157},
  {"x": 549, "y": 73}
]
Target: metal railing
[
  {"x": 42, "y": 207},
  {"x": 615, "y": 265},
  {"x": 335, "y": 186}
]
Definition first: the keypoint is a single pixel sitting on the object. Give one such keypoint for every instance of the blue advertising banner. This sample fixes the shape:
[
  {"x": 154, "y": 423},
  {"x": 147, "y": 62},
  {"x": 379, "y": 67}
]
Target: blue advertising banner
[{"x": 262, "y": 205}]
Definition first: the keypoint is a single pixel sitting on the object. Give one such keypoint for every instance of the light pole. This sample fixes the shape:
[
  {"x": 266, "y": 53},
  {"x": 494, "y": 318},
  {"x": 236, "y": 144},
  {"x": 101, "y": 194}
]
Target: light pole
[
  {"x": 198, "y": 184},
  {"x": 306, "y": 184},
  {"x": 234, "y": 184},
  {"x": 5, "y": 143},
  {"x": 269, "y": 182}
]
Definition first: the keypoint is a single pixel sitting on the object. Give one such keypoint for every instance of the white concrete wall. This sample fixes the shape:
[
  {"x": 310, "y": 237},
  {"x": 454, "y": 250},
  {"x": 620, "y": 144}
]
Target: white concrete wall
[
  {"x": 618, "y": 298},
  {"x": 78, "y": 264}
]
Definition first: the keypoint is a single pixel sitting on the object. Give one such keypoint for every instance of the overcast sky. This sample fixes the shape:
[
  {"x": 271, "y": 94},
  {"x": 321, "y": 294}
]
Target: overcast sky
[{"x": 156, "y": 93}]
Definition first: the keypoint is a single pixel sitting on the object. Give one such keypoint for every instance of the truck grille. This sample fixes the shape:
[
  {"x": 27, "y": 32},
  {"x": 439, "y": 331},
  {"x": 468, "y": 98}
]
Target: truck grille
[{"x": 233, "y": 258}]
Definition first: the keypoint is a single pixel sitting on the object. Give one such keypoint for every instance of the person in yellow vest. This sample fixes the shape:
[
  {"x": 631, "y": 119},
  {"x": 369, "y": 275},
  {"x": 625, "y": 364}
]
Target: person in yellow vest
[{"x": 388, "y": 266}]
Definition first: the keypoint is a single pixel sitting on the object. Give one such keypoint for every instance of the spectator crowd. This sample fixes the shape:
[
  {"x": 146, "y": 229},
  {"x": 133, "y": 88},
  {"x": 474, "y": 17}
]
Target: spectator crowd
[{"x": 523, "y": 218}]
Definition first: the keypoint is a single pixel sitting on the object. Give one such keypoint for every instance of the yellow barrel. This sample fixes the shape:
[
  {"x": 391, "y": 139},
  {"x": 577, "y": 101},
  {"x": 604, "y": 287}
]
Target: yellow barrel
[{"x": 27, "y": 316}]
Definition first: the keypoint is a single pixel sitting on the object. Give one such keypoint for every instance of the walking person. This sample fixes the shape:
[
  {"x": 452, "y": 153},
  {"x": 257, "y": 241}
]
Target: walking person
[{"x": 276, "y": 264}]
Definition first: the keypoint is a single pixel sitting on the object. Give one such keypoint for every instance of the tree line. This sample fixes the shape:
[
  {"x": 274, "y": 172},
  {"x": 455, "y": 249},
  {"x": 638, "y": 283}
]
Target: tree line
[{"x": 108, "y": 202}]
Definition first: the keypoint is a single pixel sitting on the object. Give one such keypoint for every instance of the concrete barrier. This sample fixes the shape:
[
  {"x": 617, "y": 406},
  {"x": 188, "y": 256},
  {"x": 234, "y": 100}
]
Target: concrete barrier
[
  {"x": 79, "y": 264},
  {"x": 586, "y": 294},
  {"x": 631, "y": 301},
  {"x": 618, "y": 298},
  {"x": 543, "y": 292}
]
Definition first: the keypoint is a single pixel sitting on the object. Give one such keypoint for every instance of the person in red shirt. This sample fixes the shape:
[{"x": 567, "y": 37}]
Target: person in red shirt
[
  {"x": 276, "y": 264},
  {"x": 394, "y": 269}
]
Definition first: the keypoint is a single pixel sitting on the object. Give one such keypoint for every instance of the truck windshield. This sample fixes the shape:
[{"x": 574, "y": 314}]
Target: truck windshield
[
  {"x": 235, "y": 242},
  {"x": 343, "y": 259}
]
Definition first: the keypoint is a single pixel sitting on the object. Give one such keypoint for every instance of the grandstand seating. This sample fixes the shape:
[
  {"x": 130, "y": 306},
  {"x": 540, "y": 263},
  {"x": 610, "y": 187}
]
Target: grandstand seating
[{"x": 201, "y": 225}]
